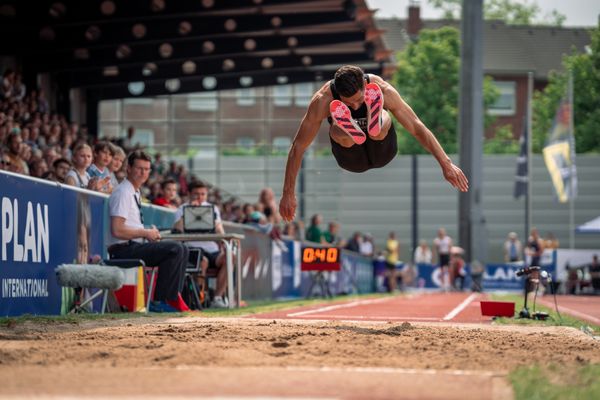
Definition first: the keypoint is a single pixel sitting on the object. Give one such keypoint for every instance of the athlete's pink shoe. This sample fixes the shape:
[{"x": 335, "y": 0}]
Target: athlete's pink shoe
[
  {"x": 374, "y": 102},
  {"x": 340, "y": 113}
]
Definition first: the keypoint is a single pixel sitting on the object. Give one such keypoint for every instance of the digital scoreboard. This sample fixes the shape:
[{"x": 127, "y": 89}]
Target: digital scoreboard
[{"x": 320, "y": 259}]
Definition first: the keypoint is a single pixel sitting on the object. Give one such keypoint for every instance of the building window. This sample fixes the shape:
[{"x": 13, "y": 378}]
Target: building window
[
  {"x": 506, "y": 102},
  {"x": 304, "y": 92},
  {"x": 143, "y": 137},
  {"x": 203, "y": 101},
  {"x": 282, "y": 95},
  {"x": 246, "y": 97}
]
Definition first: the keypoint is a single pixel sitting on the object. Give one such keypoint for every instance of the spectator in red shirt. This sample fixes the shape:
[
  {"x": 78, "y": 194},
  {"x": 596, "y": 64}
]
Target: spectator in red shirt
[{"x": 169, "y": 196}]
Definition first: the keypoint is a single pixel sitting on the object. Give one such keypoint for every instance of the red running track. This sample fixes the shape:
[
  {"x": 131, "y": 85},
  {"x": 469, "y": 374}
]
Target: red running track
[
  {"x": 422, "y": 307},
  {"x": 581, "y": 307}
]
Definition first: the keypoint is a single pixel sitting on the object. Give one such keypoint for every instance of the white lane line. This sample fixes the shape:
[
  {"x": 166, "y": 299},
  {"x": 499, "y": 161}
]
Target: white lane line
[
  {"x": 159, "y": 397},
  {"x": 378, "y": 370},
  {"x": 338, "y": 306},
  {"x": 390, "y": 370},
  {"x": 460, "y": 307},
  {"x": 362, "y": 317},
  {"x": 574, "y": 313}
]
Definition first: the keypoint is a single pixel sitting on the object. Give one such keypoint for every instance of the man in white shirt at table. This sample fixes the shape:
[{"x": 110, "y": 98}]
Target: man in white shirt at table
[
  {"x": 131, "y": 240},
  {"x": 212, "y": 254}
]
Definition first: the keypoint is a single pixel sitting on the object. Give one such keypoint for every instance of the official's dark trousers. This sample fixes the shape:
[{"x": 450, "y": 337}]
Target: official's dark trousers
[{"x": 170, "y": 257}]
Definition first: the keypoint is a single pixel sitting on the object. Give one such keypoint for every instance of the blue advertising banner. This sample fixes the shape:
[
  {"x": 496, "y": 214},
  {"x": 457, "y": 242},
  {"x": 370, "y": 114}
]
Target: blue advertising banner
[
  {"x": 286, "y": 274},
  {"x": 38, "y": 232},
  {"x": 495, "y": 276}
]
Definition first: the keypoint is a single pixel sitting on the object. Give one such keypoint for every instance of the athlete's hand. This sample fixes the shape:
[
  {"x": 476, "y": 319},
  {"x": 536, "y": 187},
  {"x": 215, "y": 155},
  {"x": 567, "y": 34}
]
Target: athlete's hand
[
  {"x": 287, "y": 206},
  {"x": 455, "y": 176}
]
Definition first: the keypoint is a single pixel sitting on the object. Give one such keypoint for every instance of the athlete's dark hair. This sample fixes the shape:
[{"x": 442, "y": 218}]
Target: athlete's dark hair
[{"x": 348, "y": 80}]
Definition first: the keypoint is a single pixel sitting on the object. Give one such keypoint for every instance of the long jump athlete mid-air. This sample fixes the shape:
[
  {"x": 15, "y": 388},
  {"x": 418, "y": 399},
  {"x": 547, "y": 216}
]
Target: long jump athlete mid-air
[{"x": 362, "y": 134}]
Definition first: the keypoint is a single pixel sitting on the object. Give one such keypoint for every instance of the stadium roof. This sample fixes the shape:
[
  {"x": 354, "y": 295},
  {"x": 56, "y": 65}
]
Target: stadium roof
[
  {"x": 508, "y": 49},
  {"x": 124, "y": 48}
]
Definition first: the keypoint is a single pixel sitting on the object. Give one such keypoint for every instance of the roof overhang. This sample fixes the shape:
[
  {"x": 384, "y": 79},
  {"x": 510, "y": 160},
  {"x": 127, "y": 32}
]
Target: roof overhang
[{"x": 174, "y": 46}]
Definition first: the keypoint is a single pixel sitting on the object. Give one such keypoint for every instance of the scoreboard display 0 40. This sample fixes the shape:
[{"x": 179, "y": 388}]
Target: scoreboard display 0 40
[{"x": 320, "y": 259}]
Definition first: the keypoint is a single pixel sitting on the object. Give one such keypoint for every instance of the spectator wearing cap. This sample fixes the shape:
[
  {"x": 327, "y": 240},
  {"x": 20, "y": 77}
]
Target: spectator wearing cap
[{"x": 512, "y": 248}]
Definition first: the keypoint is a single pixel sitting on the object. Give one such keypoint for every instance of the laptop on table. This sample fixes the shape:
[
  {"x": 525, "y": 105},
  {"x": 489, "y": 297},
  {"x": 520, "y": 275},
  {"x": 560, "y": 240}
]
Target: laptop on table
[{"x": 199, "y": 219}]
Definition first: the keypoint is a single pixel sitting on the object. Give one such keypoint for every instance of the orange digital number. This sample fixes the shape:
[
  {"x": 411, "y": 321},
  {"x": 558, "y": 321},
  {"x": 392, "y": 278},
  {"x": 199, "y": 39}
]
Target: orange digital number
[
  {"x": 320, "y": 254},
  {"x": 308, "y": 255},
  {"x": 332, "y": 255}
]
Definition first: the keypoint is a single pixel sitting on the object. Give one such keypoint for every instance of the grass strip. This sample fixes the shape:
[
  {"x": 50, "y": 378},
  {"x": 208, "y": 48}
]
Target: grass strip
[{"x": 564, "y": 382}]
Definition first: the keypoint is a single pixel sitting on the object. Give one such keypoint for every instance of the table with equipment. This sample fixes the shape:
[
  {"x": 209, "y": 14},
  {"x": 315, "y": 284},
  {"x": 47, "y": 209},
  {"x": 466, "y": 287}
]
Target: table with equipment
[{"x": 233, "y": 247}]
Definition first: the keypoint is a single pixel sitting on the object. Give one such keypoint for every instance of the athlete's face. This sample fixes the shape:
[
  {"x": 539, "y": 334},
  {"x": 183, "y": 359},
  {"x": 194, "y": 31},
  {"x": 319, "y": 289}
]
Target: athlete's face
[{"x": 354, "y": 101}]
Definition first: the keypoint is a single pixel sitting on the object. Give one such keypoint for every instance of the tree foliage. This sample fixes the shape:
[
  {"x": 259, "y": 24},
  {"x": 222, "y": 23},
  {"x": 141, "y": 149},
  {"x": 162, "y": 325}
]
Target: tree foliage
[
  {"x": 585, "y": 69},
  {"x": 510, "y": 11},
  {"x": 427, "y": 78}
]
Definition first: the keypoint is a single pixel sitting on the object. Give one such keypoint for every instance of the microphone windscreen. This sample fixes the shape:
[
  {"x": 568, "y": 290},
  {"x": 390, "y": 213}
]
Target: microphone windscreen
[{"x": 90, "y": 276}]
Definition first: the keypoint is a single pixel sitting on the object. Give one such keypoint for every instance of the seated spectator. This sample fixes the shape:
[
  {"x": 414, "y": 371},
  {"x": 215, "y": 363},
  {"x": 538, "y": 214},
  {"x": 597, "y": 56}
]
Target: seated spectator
[
  {"x": 158, "y": 167},
  {"x": 354, "y": 242},
  {"x": 594, "y": 269},
  {"x": 6, "y": 163},
  {"x": 99, "y": 168},
  {"x": 332, "y": 236},
  {"x": 78, "y": 176},
  {"x": 267, "y": 199},
  {"x": 247, "y": 209},
  {"x": 314, "y": 233},
  {"x": 366, "y": 247},
  {"x": 212, "y": 254},
  {"x": 574, "y": 276},
  {"x": 457, "y": 269},
  {"x": 61, "y": 168},
  {"x": 423, "y": 253},
  {"x": 512, "y": 248},
  {"x": 18, "y": 89},
  {"x": 169, "y": 195},
  {"x": 6, "y": 89},
  {"x": 260, "y": 222},
  {"x": 292, "y": 230},
  {"x": 154, "y": 191},
  {"x": 14, "y": 144},
  {"x": 115, "y": 165},
  {"x": 38, "y": 168}
]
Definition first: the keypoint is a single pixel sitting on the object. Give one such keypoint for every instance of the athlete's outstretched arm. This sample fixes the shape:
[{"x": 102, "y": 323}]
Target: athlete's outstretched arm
[
  {"x": 309, "y": 127},
  {"x": 407, "y": 117}
]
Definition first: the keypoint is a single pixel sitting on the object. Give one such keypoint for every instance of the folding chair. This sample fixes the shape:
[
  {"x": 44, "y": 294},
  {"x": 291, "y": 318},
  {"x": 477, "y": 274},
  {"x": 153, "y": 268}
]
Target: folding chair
[
  {"x": 194, "y": 295},
  {"x": 149, "y": 274}
]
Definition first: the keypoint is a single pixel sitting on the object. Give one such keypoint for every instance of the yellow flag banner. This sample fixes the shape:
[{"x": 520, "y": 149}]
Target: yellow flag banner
[
  {"x": 558, "y": 160},
  {"x": 559, "y": 154}
]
